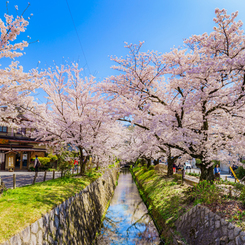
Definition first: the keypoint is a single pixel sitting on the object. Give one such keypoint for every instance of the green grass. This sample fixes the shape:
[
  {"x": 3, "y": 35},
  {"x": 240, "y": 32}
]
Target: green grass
[
  {"x": 23, "y": 206},
  {"x": 162, "y": 193}
]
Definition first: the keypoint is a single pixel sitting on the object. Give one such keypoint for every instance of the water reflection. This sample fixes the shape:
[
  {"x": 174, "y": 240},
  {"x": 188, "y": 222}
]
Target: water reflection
[{"x": 127, "y": 220}]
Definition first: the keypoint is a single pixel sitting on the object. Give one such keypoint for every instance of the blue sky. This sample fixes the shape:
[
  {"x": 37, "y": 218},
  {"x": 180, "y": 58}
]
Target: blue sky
[{"x": 103, "y": 27}]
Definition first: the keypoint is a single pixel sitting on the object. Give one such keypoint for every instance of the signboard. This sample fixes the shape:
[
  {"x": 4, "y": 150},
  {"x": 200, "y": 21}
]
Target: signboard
[
  {"x": 24, "y": 156},
  {"x": 4, "y": 141},
  {"x": 11, "y": 161}
]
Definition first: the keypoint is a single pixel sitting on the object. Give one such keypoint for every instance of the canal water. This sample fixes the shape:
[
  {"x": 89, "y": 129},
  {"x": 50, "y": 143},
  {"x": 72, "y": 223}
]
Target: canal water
[{"x": 127, "y": 220}]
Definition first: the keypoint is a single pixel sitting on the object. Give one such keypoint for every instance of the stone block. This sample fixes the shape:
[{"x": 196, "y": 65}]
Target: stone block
[
  {"x": 26, "y": 234},
  {"x": 239, "y": 241},
  {"x": 46, "y": 219},
  {"x": 6, "y": 243},
  {"x": 217, "y": 224},
  {"x": 223, "y": 240},
  {"x": 217, "y": 233},
  {"x": 242, "y": 235},
  {"x": 40, "y": 237},
  {"x": 231, "y": 226},
  {"x": 224, "y": 230},
  {"x": 236, "y": 231},
  {"x": 211, "y": 228},
  {"x": 51, "y": 215},
  {"x": 40, "y": 222},
  {"x": 15, "y": 240},
  {"x": 231, "y": 234},
  {"x": 33, "y": 240},
  {"x": 34, "y": 227},
  {"x": 52, "y": 228},
  {"x": 223, "y": 222},
  {"x": 56, "y": 210},
  {"x": 50, "y": 240}
]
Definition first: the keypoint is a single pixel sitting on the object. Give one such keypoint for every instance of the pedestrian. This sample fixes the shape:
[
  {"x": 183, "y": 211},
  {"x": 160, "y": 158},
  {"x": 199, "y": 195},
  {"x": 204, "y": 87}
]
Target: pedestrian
[
  {"x": 174, "y": 168},
  {"x": 37, "y": 164},
  {"x": 217, "y": 172},
  {"x": 184, "y": 168},
  {"x": 75, "y": 165}
]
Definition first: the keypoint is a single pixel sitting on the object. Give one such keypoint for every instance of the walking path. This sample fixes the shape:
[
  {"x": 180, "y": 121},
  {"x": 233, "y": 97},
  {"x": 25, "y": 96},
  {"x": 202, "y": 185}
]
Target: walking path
[
  {"x": 24, "y": 178},
  {"x": 223, "y": 175}
]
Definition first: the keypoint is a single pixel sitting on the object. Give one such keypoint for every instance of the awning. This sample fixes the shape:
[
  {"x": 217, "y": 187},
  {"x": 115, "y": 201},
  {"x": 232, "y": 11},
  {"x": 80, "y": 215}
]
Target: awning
[{"x": 22, "y": 149}]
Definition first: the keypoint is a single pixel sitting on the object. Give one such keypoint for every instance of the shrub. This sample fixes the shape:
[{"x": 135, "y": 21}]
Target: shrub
[
  {"x": 240, "y": 172},
  {"x": 194, "y": 174},
  {"x": 177, "y": 177},
  {"x": 44, "y": 161},
  {"x": 205, "y": 192},
  {"x": 198, "y": 161},
  {"x": 52, "y": 157},
  {"x": 215, "y": 163},
  {"x": 242, "y": 196}
]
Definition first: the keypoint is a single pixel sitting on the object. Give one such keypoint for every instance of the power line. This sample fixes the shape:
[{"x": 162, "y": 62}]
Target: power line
[{"x": 78, "y": 36}]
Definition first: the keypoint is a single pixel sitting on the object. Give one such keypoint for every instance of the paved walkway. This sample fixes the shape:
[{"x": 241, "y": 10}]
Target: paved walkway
[
  {"x": 24, "y": 178},
  {"x": 223, "y": 175}
]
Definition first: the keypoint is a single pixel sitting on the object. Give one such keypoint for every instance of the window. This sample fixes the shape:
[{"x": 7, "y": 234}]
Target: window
[
  {"x": 21, "y": 131},
  {"x": 3, "y": 129}
]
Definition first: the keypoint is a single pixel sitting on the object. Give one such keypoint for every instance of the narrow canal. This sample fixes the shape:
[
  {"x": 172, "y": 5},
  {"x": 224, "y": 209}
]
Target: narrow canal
[{"x": 127, "y": 220}]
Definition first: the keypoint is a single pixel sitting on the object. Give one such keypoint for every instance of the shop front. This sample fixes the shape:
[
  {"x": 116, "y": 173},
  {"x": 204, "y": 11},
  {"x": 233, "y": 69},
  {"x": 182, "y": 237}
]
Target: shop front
[{"x": 17, "y": 155}]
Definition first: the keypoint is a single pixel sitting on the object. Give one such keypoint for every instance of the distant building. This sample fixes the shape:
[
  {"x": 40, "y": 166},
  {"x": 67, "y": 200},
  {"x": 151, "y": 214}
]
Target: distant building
[{"x": 16, "y": 149}]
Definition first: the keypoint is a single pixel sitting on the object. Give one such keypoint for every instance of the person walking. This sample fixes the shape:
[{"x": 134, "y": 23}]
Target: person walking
[
  {"x": 184, "y": 169},
  {"x": 217, "y": 172},
  {"x": 75, "y": 165},
  {"x": 37, "y": 164}
]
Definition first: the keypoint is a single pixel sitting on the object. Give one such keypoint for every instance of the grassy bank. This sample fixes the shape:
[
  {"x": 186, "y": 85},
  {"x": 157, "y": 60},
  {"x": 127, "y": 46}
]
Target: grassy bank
[
  {"x": 23, "y": 206},
  {"x": 167, "y": 199}
]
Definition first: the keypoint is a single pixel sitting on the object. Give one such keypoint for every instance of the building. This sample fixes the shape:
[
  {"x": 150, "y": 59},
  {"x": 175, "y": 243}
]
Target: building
[{"x": 17, "y": 150}]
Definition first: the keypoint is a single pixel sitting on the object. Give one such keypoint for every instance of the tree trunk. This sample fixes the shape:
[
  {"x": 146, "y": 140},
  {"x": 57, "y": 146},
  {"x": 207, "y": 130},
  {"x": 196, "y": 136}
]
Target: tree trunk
[
  {"x": 155, "y": 162},
  {"x": 82, "y": 162},
  {"x": 170, "y": 165},
  {"x": 206, "y": 173},
  {"x": 148, "y": 162},
  {"x": 97, "y": 164}
]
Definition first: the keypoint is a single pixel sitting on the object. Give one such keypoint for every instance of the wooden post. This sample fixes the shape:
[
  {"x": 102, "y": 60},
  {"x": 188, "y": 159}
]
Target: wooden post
[
  {"x": 235, "y": 180},
  {"x": 21, "y": 159},
  {"x": 44, "y": 177},
  {"x": 182, "y": 179},
  {"x": 53, "y": 174},
  {"x": 61, "y": 173},
  {"x": 34, "y": 180},
  {"x": 14, "y": 181},
  {"x": 225, "y": 178}
]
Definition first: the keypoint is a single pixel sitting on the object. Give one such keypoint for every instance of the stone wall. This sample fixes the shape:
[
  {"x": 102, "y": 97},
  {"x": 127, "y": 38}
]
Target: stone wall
[
  {"x": 203, "y": 227},
  {"x": 74, "y": 221}
]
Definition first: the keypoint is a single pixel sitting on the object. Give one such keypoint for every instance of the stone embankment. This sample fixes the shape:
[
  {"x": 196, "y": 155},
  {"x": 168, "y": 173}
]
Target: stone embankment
[
  {"x": 76, "y": 220},
  {"x": 201, "y": 226}
]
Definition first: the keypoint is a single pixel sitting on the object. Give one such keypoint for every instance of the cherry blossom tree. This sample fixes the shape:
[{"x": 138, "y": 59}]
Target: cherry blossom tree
[
  {"x": 15, "y": 84},
  {"x": 75, "y": 115},
  {"x": 191, "y": 99}
]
